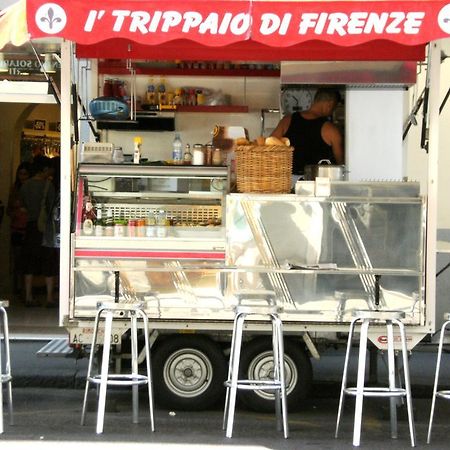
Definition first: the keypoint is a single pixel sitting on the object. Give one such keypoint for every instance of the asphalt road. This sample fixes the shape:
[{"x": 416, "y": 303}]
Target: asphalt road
[{"x": 48, "y": 398}]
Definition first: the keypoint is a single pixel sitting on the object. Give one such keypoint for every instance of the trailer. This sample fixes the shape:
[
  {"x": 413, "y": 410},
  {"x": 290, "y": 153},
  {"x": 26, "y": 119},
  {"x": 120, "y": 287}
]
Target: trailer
[{"x": 356, "y": 242}]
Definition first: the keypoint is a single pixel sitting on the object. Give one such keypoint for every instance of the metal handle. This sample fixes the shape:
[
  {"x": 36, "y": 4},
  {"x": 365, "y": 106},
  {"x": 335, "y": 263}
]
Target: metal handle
[
  {"x": 324, "y": 161},
  {"x": 377, "y": 290},
  {"x": 116, "y": 286}
]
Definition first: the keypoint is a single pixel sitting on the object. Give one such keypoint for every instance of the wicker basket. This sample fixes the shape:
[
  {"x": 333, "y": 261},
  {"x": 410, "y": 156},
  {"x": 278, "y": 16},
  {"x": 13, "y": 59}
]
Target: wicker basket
[{"x": 264, "y": 168}]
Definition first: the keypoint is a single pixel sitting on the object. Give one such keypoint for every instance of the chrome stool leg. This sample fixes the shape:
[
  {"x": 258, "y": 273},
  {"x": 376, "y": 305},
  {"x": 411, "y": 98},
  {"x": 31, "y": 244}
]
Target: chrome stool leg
[
  {"x": 344, "y": 375},
  {"x": 388, "y": 318},
  {"x": 134, "y": 368},
  {"x": 234, "y": 369},
  {"x": 90, "y": 365},
  {"x": 279, "y": 366},
  {"x": 233, "y": 382},
  {"x": 436, "y": 376},
  {"x": 104, "y": 372},
  {"x": 5, "y": 375},
  {"x": 230, "y": 367},
  {"x": 412, "y": 428},
  {"x": 360, "y": 382},
  {"x": 149, "y": 367},
  {"x": 391, "y": 376},
  {"x": 104, "y": 378}
]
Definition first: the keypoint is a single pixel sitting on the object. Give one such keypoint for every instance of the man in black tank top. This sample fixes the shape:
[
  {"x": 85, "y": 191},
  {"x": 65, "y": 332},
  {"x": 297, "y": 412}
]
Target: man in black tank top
[{"x": 311, "y": 134}]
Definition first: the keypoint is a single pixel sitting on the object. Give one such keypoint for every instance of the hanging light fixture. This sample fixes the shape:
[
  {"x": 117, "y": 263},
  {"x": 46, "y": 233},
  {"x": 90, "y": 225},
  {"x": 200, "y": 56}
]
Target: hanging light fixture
[
  {"x": 48, "y": 65},
  {"x": 3, "y": 64}
]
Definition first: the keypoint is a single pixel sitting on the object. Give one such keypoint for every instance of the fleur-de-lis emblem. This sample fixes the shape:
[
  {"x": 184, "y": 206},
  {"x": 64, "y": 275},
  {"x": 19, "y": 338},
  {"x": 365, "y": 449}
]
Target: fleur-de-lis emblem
[{"x": 51, "y": 19}]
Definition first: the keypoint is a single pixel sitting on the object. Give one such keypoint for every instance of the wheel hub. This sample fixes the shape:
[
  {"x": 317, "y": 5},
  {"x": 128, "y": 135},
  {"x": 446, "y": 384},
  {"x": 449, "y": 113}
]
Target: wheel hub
[{"x": 188, "y": 373}]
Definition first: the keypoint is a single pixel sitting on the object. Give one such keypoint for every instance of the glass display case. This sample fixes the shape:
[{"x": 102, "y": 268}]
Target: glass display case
[
  {"x": 360, "y": 246},
  {"x": 135, "y": 224}
]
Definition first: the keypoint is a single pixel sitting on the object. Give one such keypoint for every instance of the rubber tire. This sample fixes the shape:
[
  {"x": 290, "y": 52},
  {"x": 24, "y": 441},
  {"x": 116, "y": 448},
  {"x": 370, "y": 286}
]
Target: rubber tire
[
  {"x": 298, "y": 356},
  {"x": 204, "y": 348}
]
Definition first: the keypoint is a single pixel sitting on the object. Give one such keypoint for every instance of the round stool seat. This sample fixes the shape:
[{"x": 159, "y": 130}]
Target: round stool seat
[
  {"x": 447, "y": 316},
  {"x": 372, "y": 314},
  {"x": 121, "y": 306},
  {"x": 4, "y": 303}
]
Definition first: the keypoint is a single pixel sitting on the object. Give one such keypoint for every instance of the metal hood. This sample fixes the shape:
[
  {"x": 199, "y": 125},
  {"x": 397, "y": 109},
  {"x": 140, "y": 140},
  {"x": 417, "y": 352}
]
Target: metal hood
[{"x": 364, "y": 73}]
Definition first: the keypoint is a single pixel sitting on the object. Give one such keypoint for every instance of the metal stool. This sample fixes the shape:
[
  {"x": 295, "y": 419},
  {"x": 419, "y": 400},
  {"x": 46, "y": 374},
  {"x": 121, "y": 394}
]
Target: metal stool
[
  {"x": 442, "y": 393},
  {"x": 133, "y": 379},
  {"x": 5, "y": 375},
  {"x": 277, "y": 385},
  {"x": 371, "y": 317}
]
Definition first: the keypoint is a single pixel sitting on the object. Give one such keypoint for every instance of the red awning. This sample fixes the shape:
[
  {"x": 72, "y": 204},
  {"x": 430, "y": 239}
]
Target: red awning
[{"x": 243, "y": 29}]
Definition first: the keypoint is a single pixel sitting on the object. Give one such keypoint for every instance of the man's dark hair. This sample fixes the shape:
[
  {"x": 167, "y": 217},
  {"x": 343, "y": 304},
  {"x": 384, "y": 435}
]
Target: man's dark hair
[
  {"x": 327, "y": 94},
  {"x": 40, "y": 163}
]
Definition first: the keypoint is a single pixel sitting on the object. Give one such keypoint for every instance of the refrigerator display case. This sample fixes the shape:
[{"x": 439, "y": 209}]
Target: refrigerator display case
[{"x": 154, "y": 219}]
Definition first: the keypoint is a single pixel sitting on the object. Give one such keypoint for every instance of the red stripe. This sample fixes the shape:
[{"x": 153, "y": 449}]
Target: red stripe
[{"x": 84, "y": 253}]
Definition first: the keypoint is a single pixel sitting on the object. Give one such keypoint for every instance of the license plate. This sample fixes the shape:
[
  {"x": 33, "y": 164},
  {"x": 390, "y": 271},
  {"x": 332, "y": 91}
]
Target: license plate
[{"x": 84, "y": 336}]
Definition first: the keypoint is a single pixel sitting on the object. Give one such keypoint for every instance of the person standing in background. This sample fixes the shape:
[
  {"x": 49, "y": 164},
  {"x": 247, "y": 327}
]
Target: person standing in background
[
  {"x": 311, "y": 132},
  {"x": 52, "y": 236},
  {"x": 18, "y": 223},
  {"x": 33, "y": 255}
]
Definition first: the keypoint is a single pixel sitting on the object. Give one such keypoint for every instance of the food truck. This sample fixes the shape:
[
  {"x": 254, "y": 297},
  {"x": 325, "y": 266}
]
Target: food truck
[{"x": 181, "y": 239}]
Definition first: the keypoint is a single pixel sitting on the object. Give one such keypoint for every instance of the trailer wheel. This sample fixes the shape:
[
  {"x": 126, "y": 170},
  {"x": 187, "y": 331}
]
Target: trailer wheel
[
  {"x": 188, "y": 372},
  {"x": 257, "y": 363}
]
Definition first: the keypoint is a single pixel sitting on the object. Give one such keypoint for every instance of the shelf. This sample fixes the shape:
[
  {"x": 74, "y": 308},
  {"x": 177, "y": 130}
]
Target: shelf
[
  {"x": 110, "y": 69},
  {"x": 213, "y": 109}
]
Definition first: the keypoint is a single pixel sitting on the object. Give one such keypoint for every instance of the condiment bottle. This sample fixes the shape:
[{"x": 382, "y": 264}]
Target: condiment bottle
[
  {"x": 107, "y": 88},
  {"x": 88, "y": 216},
  {"x": 137, "y": 149},
  {"x": 109, "y": 223},
  {"x": 99, "y": 226},
  {"x": 217, "y": 157},
  {"x": 187, "y": 157},
  {"x": 161, "y": 227},
  {"x": 208, "y": 154},
  {"x": 150, "y": 223}
]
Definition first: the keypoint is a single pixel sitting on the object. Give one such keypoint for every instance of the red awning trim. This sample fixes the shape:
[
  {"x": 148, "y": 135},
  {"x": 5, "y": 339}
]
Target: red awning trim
[
  {"x": 242, "y": 51},
  {"x": 225, "y": 22}
]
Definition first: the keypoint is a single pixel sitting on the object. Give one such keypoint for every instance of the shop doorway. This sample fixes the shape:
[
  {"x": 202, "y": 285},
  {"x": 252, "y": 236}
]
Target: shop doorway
[{"x": 26, "y": 130}]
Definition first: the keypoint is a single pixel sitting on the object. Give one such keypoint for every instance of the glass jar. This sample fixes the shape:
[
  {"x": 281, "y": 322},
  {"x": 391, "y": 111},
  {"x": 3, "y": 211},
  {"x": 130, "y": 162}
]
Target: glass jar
[
  {"x": 198, "y": 155},
  {"x": 217, "y": 157}
]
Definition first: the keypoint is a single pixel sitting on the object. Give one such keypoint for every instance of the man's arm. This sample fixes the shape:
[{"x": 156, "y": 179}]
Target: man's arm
[
  {"x": 282, "y": 127},
  {"x": 332, "y": 136}
]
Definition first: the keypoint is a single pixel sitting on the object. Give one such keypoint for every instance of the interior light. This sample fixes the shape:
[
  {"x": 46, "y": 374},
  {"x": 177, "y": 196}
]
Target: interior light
[
  {"x": 3, "y": 64},
  {"x": 48, "y": 65}
]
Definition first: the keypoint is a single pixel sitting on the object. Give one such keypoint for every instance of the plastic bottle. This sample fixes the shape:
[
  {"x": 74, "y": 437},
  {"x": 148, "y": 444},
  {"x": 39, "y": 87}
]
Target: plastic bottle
[{"x": 177, "y": 150}]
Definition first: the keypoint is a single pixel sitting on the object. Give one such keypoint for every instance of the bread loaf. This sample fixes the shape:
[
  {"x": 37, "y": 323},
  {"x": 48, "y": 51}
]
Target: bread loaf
[
  {"x": 242, "y": 141},
  {"x": 272, "y": 140}
]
